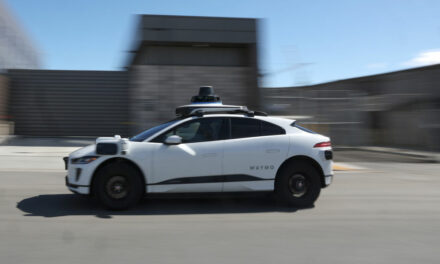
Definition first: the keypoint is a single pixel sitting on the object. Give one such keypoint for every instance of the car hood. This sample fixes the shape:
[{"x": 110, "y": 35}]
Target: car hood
[{"x": 85, "y": 151}]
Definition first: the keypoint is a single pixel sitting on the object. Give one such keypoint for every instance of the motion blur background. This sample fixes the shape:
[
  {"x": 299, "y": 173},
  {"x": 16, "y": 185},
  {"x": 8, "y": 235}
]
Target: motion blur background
[
  {"x": 265, "y": 63},
  {"x": 365, "y": 73}
]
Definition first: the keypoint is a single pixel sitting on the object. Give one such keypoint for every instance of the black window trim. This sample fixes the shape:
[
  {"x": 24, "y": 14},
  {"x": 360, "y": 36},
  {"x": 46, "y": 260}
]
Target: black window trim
[
  {"x": 304, "y": 129},
  {"x": 228, "y": 128}
]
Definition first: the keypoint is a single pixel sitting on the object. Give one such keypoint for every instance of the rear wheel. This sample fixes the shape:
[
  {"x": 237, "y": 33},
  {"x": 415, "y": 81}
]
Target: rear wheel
[
  {"x": 298, "y": 184},
  {"x": 118, "y": 186}
]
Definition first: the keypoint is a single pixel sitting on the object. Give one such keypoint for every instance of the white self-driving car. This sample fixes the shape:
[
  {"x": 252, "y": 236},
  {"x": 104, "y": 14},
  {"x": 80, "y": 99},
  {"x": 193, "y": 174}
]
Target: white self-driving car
[{"x": 209, "y": 147}]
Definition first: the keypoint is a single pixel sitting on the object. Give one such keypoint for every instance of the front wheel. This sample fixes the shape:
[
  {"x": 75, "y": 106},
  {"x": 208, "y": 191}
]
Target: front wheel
[
  {"x": 118, "y": 186},
  {"x": 298, "y": 184}
]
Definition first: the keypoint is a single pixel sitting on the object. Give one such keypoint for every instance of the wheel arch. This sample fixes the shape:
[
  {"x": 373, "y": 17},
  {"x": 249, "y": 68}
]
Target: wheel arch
[
  {"x": 303, "y": 158},
  {"x": 113, "y": 161}
]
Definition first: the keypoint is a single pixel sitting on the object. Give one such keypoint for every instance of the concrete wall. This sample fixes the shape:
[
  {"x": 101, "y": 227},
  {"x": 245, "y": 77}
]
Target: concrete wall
[
  {"x": 157, "y": 90},
  {"x": 399, "y": 109}
]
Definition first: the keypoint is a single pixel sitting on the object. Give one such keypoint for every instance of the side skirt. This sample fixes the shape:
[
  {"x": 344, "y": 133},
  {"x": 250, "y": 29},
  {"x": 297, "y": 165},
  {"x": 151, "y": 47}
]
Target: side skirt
[
  {"x": 212, "y": 179},
  {"x": 212, "y": 184}
]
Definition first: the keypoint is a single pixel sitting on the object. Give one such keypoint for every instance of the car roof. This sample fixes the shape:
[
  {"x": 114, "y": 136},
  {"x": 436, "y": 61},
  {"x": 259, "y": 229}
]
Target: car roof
[{"x": 283, "y": 122}]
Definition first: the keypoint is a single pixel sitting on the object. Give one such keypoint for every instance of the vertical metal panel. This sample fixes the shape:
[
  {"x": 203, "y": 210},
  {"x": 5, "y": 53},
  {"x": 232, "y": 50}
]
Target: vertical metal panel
[
  {"x": 3, "y": 97},
  {"x": 69, "y": 103}
]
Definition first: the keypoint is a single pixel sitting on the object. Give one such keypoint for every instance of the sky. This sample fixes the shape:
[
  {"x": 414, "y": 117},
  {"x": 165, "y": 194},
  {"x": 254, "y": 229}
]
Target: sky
[{"x": 300, "y": 42}]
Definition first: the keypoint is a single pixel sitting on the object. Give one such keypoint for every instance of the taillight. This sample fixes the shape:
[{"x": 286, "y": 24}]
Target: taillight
[{"x": 323, "y": 144}]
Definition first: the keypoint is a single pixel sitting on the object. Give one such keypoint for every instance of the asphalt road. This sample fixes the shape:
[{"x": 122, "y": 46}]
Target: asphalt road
[{"x": 383, "y": 212}]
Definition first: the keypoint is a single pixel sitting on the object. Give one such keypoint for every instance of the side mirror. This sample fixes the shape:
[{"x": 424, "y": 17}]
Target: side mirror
[{"x": 173, "y": 140}]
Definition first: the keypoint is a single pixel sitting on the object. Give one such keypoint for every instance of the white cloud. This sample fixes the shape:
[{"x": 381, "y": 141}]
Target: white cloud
[
  {"x": 377, "y": 65},
  {"x": 427, "y": 57}
]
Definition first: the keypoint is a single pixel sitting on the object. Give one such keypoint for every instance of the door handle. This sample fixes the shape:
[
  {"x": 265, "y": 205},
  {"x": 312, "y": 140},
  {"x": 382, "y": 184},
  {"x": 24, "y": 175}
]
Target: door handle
[
  {"x": 272, "y": 150},
  {"x": 209, "y": 155}
]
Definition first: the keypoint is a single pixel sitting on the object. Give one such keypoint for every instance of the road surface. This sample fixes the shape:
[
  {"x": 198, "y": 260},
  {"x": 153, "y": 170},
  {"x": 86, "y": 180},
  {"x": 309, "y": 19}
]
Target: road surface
[{"x": 380, "y": 211}]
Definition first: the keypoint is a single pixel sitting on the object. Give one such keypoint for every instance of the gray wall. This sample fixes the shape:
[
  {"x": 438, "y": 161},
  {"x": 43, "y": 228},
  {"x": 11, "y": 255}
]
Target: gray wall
[
  {"x": 157, "y": 90},
  {"x": 201, "y": 56},
  {"x": 398, "y": 109},
  {"x": 69, "y": 103}
]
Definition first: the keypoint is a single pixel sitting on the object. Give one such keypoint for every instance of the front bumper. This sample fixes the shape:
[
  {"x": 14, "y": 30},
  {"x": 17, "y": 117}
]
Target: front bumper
[
  {"x": 328, "y": 179},
  {"x": 79, "y": 189},
  {"x": 66, "y": 163},
  {"x": 78, "y": 176}
]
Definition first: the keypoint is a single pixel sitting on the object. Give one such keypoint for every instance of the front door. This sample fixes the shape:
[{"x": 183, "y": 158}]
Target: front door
[{"x": 195, "y": 165}]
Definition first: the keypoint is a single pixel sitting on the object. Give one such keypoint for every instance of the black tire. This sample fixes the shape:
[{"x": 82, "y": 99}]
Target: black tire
[
  {"x": 118, "y": 186},
  {"x": 298, "y": 184}
]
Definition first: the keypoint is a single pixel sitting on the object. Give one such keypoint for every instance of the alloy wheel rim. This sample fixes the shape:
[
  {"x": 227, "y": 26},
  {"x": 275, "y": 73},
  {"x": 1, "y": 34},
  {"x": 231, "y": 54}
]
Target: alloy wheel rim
[
  {"x": 298, "y": 185},
  {"x": 117, "y": 187}
]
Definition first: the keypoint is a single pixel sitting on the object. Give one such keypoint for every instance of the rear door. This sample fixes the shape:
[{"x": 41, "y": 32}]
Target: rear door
[{"x": 253, "y": 154}]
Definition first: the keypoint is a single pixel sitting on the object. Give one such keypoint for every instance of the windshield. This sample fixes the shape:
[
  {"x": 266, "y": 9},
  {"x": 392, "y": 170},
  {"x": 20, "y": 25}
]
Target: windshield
[{"x": 149, "y": 132}]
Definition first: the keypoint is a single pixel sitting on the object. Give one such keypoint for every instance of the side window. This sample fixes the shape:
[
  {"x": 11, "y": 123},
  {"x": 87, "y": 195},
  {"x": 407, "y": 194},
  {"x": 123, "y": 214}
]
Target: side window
[
  {"x": 268, "y": 129},
  {"x": 198, "y": 130},
  {"x": 245, "y": 127},
  {"x": 189, "y": 131}
]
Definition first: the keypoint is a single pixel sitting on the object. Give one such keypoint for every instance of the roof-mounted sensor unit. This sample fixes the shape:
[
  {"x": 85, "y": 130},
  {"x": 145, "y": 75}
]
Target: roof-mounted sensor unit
[
  {"x": 207, "y": 102},
  {"x": 206, "y": 96}
]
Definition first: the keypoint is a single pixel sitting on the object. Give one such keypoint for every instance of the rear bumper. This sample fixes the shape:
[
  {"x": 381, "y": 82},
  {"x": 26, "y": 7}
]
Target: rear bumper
[{"x": 79, "y": 189}]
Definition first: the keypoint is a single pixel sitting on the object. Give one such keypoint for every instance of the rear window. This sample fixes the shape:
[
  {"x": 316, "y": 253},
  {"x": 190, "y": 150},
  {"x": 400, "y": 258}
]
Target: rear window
[
  {"x": 244, "y": 127},
  {"x": 249, "y": 127},
  {"x": 295, "y": 124},
  {"x": 268, "y": 129}
]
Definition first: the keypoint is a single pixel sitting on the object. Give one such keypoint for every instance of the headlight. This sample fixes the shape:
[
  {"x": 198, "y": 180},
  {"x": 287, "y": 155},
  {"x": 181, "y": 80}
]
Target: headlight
[{"x": 84, "y": 160}]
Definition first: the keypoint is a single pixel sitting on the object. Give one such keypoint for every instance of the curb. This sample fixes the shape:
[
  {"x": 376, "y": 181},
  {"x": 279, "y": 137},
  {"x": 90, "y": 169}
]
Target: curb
[{"x": 431, "y": 157}]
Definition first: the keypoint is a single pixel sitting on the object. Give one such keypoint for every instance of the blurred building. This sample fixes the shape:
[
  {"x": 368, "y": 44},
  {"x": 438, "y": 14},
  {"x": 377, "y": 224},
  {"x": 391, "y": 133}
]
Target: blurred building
[
  {"x": 16, "y": 52},
  {"x": 397, "y": 109},
  {"x": 172, "y": 56}
]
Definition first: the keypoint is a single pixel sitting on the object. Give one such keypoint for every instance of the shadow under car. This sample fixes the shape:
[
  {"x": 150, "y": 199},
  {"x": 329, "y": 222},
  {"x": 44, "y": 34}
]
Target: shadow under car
[{"x": 53, "y": 205}]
